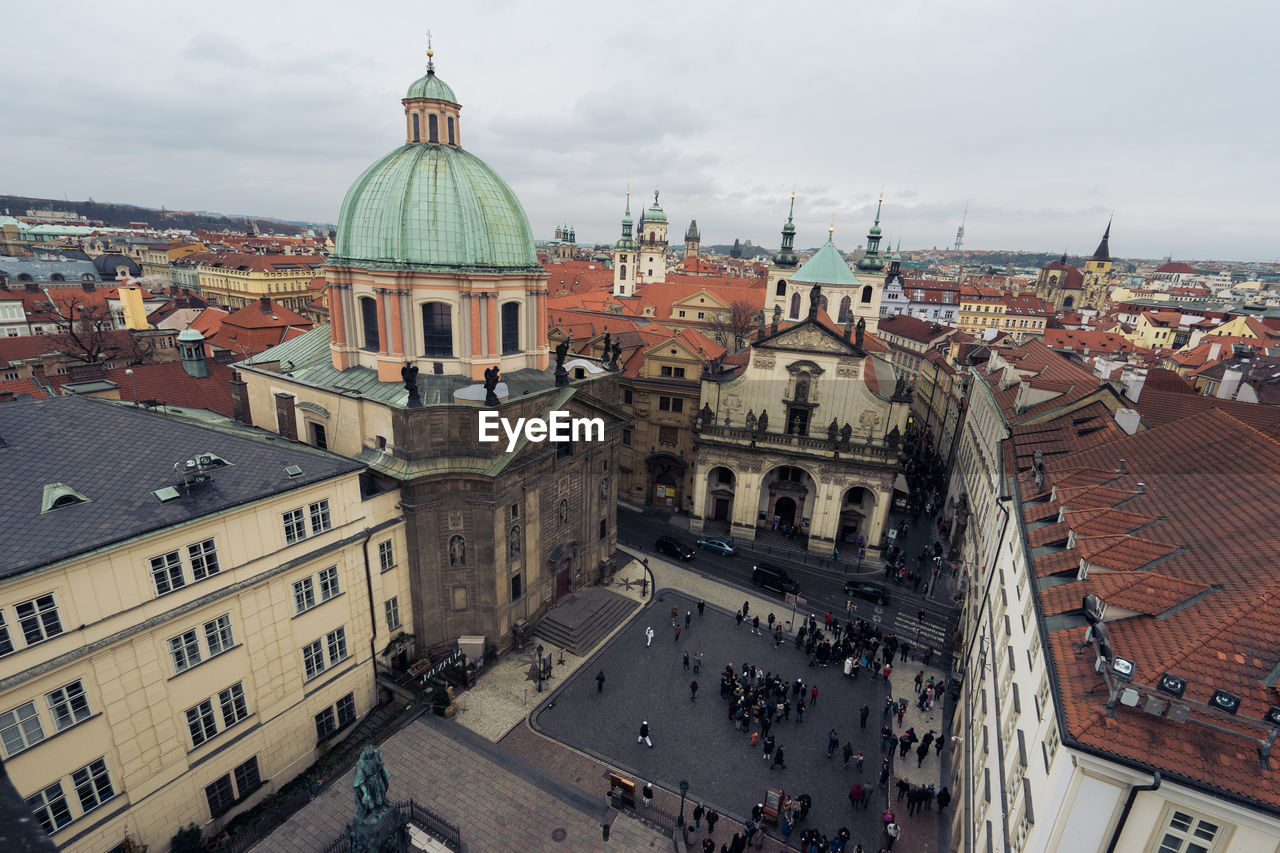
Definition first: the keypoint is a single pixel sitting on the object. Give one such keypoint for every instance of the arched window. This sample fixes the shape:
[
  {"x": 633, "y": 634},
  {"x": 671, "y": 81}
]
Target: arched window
[
  {"x": 369, "y": 319},
  {"x": 795, "y": 306},
  {"x": 57, "y": 277},
  {"x": 1068, "y": 302},
  {"x": 449, "y": 123},
  {"x": 437, "y": 330},
  {"x": 23, "y": 277},
  {"x": 416, "y": 130},
  {"x": 510, "y": 328},
  {"x": 844, "y": 309},
  {"x": 651, "y": 237},
  {"x": 866, "y": 295},
  {"x": 782, "y": 288},
  {"x": 87, "y": 277},
  {"x": 433, "y": 128},
  {"x": 622, "y": 272}
]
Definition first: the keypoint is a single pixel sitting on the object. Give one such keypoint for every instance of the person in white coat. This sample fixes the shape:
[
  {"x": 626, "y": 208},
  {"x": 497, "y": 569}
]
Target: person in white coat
[{"x": 648, "y": 636}]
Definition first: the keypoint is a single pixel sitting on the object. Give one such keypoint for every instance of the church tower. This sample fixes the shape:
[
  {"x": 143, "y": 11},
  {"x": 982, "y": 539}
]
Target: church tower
[
  {"x": 692, "y": 239},
  {"x": 625, "y": 259},
  {"x": 1097, "y": 273},
  {"x": 784, "y": 264},
  {"x": 653, "y": 244},
  {"x": 872, "y": 260}
]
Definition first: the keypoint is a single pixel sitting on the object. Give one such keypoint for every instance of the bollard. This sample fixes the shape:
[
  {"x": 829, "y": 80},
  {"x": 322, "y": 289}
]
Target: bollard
[{"x": 604, "y": 831}]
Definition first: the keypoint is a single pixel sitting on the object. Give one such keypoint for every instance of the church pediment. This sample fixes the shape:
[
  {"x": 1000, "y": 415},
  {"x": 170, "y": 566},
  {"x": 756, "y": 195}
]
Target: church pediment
[{"x": 808, "y": 336}]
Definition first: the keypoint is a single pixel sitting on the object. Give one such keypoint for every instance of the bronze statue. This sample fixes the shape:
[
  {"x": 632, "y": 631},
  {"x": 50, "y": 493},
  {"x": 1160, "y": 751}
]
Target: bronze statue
[
  {"x": 815, "y": 299},
  {"x": 562, "y": 350},
  {"x": 409, "y": 373},
  {"x": 370, "y": 784},
  {"x": 491, "y": 376},
  {"x": 608, "y": 344}
]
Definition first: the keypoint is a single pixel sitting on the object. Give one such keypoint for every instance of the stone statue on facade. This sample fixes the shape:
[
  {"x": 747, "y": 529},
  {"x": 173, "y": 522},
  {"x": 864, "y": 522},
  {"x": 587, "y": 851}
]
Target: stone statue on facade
[
  {"x": 613, "y": 359},
  {"x": 777, "y": 318},
  {"x": 893, "y": 439},
  {"x": 763, "y": 423},
  {"x": 491, "y": 376},
  {"x": 562, "y": 351},
  {"x": 815, "y": 299},
  {"x": 608, "y": 345},
  {"x": 760, "y": 323},
  {"x": 832, "y": 429},
  {"x": 457, "y": 551},
  {"x": 846, "y": 432},
  {"x": 706, "y": 416},
  {"x": 751, "y": 420},
  {"x": 858, "y": 331},
  {"x": 409, "y": 373}
]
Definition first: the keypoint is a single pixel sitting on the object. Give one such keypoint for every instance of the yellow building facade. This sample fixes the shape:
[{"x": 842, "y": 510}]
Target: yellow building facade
[
  {"x": 184, "y": 653},
  {"x": 235, "y": 280}
]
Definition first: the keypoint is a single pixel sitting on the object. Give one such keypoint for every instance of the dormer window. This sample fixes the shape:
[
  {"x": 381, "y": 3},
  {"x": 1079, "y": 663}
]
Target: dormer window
[{"x": 59, "y": 495}]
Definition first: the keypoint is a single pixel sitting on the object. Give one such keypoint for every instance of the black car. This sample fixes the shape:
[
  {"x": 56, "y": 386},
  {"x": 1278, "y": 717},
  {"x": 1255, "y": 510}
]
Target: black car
[
  {"x": 870, "y": 591},
  {"x": 673, "y": 548},
  {"x": 773, "y": 577}
]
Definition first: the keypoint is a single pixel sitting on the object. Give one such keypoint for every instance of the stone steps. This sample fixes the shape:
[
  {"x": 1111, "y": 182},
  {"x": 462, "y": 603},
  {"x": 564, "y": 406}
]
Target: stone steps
[{"x": 579, "y": 626}]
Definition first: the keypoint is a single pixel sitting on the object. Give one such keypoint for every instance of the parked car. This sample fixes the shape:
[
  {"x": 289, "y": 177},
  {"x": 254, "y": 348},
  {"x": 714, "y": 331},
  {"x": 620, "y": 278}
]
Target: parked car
[
  {"x": 772, "y": 577},
  {"x": 718, "y": 544},
  {"x": 870, "y": 591},
  {"x": 673, "y": 547}
]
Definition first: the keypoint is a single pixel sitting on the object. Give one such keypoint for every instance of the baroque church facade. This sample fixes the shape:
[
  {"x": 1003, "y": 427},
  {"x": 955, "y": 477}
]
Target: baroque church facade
[
  {"x": 804, "y": 436},
  {"x": 434, "y": 288}
]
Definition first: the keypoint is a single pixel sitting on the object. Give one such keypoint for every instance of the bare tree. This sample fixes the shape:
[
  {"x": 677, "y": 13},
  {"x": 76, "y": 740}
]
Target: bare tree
[
  {"x": 87, "y": 333},
  {"x": 732, "y": 326}
]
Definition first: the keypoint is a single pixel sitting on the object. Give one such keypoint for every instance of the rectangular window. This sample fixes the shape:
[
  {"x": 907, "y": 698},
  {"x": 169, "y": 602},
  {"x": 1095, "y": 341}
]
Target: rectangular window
[
  {"x": 68, "y": 705},
  {"x": 664, "y": 404},
  {"x": 204, "y": 559},
  {"x": 386, "y": 555},
  {"x": 626, "y": 438},
  {"x": 200, "y": 722},
  {"x": 313, "y": 658},
  {"x": 677, "y": 404},
  {"x": 392, "y": 606},
  {"x": 304, "y": 595},
  {"x": 627, "y": 397},
  {"x": 329, "y": 583},
  {"x": 295, "y": 529},
  {"x": 516, "y": 591},
  {"x": 166, "y": 571},
  {"x": 218, "y": 635},
  {"x": 50, "y": 808},
  {"x": 220, "y": 795},
  {"x": 185, "y": 651},
  {"x": 458, "y": 596},
  {"x": 1050, "y": 744},
  {"x": 233, "y": 705},
  {"x": 93, "y": 785},
  {"x": 320, "y": 517},
  {"x": 604, "y": 528},
  {"x": 346, "y": 710},
  {"x": 6, "y": 644},
  {"x": 1042, "y": 696},
  {"x": 247, "y": 778},
  {"x": 20, "y": 729},
  {"x": 1033, "y": 653},
  {"x": 1186, "y": 833},
  {"x": 337, "y": 641},
  {"x": 326, "y": 724},
  {"x": 673, "y": 372}
]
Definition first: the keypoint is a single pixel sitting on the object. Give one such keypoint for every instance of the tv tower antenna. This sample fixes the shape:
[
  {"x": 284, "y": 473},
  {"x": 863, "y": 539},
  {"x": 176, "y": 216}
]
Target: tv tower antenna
[{"x": 960, "y": 230}]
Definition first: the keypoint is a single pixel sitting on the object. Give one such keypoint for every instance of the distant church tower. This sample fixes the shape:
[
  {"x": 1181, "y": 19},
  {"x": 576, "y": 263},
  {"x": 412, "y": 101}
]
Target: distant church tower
[
  {"x": 653, "y": 244},
  {"x": 872, "y": 261},
  {"x": 691, "y": 239},
  {"x": 784, "y": 264},
  {"x": 1097, "y": 273},
  {"x": 625, "y": 259}
]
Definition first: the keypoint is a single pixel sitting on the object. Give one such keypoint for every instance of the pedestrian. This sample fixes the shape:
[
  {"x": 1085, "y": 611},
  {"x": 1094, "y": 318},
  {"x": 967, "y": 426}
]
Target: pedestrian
[
  {"x": 847, "y": 752},
  {"x": 813, "y": 696},
  {"x": 644, "y": 734},
  {"x": 892, "y": 831},
  {"x": 646, "y": 794},
  {"x": 686, "y": 660},
  {"x": 800, "y": 711},
  {"x": 771, "y": 620},
  {"x": 859, "y": 761},
  {"x": 786, "y": 831},
  {"x": 855, "y": 794},
  {"x": 746, "y": 608},
  {"x": 904, "y": 787},
  {"x": 833, "y": 741},
  {"x": 708, "y": 846},
  {"x": 919, "y": 680},
  {"x": 600, "y": 681},
  {"x": 921, "y": 752},
  {"x": 739, "y": 617},
  {"x": 702, "y": 605},
  {"x": 937, "y": 746},
  {"x": 777, "y": 760},
  {"x": 712, "y": 817},
  {"x": 755, "y": 624},
  {"x": 693, "y": 691},
  {"x": 944, "y": 798},
  {"x": 688, "y": 617},
  {"x": 677, "y": 630},
  {"x": 697, "y": 817},
  {"x": 648, "y": 636},
  {"x": 928, "y": 655},
  {"x": 697, "y": 663},
  {"x": 768, "y": 747},
  {"x": 675, "y": 614},
  {"x": 866, "y": 712}
]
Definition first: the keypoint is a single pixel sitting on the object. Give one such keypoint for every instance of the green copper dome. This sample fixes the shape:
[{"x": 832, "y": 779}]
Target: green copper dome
[
  {"x": 435, "y": 208},
  {"x": 431, "y": 86},
  {"x": 655, "y": 214}
]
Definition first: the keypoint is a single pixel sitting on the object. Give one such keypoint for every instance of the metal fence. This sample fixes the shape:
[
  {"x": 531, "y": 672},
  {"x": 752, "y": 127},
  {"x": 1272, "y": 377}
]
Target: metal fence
[{"x": 394, "y": 825}]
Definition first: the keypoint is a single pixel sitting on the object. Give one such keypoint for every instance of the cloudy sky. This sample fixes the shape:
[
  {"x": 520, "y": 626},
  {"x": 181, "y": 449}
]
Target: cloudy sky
[{"x": 1043, "y": 118}]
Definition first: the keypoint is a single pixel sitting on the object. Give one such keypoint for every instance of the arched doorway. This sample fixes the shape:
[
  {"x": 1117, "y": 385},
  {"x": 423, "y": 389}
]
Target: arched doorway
[
  {"x": 718, "y": 508},
  {"x": 784, "y": 511},
  {"x": 857, "y": 508},
  {"x": 666, "y": 480}
]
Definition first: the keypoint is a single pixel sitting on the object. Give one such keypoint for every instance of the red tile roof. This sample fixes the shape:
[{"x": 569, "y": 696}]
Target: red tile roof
[{"x": 17, "y": 387}]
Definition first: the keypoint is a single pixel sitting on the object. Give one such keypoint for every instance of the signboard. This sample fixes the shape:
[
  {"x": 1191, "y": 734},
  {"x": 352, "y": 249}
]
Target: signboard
[
  {"x": 892, "y": 534},
  {"x": 790, "y": 598},
  {"x": 443, "y": 665}
]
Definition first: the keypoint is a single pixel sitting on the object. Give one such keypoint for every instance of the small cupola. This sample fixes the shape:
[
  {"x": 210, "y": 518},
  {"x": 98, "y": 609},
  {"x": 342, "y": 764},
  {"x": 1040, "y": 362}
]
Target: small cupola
[{"x": 431, "y": 110}]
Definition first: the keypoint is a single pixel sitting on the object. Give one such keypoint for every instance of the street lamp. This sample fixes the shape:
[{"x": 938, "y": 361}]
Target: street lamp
[
  {"x": 129, "y": 372},
  {"x": 539, "y": 665},
  {"x": 684, "y": 789}
]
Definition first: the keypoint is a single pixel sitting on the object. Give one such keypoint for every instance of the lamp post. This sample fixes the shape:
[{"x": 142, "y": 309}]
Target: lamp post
[
  {"x": 133, "y": 384},
  {"x": 539, "y": 664},
  {"x": 684, "y": 789}
]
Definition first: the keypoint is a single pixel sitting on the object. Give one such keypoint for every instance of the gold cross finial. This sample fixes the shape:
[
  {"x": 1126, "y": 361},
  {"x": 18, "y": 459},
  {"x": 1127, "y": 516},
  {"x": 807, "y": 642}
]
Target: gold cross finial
[
  {"x": 831, "y": 229},
  {"x": 430, "y": 53},
  {"x": 882, "y": 192}
]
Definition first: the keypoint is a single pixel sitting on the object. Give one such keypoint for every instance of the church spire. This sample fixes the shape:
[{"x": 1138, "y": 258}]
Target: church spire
[
  {"x": 1103, "y": 252},
  {"x": 871, "y": 260},
  {"x": 786, "y": 256}
]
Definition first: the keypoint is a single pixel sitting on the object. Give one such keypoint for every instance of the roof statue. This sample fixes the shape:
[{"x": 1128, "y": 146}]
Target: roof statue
[
  {"x": 409, "y": 373},
  {"x": 492, "y": 375},
  {"x": 815, "y": 299},
  {"x": 858, "y": 331},
  {"x": 370, "y": 784}
]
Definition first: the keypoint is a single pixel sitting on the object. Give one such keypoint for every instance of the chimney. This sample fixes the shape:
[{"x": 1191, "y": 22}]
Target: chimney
[
  {"x": 1121, "y": 469},
  {"x": 6, "y": 396},
  {"x": 286, "y": 420},
  {"x": 265, "y": 303},
  {"x": 240, "y": 399},
  {"x": 37, "y": 373},
  {"x": 1128, "y": 420},
  {"x": 1142, "y": 488}
]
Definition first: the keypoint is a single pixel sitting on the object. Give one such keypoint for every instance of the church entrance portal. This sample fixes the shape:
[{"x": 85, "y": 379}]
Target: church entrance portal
[{"x": 784, "y": 509}]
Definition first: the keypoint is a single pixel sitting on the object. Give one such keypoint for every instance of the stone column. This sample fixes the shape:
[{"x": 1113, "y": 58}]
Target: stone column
[{"x": 397, "y": 330}]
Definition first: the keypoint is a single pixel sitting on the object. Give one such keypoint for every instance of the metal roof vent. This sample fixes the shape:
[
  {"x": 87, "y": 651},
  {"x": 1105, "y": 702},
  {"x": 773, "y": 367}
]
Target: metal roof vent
[
  {"x": 293, "y": 471},
  {"x": 168, "y": 493},
  {"x": 59, "y": 495}
]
